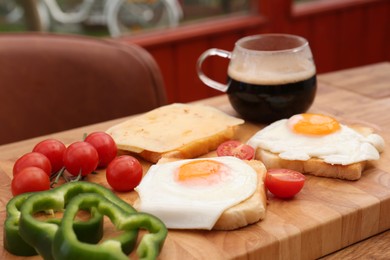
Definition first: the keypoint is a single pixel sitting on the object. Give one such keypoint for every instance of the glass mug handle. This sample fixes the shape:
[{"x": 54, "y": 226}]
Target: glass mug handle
[{"x": 206, "y": 80}]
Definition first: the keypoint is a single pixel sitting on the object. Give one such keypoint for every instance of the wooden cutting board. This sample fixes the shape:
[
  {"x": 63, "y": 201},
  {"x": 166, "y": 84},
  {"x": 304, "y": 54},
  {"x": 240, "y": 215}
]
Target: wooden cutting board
[{"x": 327, "y": 215}]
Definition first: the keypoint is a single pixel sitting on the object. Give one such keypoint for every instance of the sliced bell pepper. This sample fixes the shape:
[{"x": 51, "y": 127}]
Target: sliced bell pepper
[
  {"x": 67, "y": 246},
  {"x": 40, "y": 234},
  {"x": 13, "y": 243},
  {"x": 90, "y": 231}
]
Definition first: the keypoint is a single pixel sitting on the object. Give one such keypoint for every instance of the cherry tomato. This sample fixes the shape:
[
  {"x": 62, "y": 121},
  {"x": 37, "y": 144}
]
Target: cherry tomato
[
  {"x": 236, "y": 149},
  {"x": 30, "y": 179},
  {"x": 80, "y": 157},
  {"x": 53, "y": 150},
  {"x": 104, "y": 145},
  {"x": 284, "y": 183},
  {"x": 124, "y": 173},
  {"x": 32, "y": 159}
]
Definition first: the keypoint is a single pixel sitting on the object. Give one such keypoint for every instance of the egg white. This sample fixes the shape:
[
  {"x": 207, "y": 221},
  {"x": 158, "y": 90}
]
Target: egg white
[
  {"x": 183, "y": 206},
  {"x": 344, "y": 147}
]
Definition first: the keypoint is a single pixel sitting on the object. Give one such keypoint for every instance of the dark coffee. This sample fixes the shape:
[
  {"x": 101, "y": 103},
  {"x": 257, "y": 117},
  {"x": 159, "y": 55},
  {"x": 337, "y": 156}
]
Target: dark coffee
[{"x": 267, "y": 103}]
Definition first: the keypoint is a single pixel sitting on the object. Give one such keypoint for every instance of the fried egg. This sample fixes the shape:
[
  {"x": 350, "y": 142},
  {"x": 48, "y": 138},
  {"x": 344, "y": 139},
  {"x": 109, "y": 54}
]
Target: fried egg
[
  {"x": 193, "y": 193},
  {"x": 306, "y": 136}
]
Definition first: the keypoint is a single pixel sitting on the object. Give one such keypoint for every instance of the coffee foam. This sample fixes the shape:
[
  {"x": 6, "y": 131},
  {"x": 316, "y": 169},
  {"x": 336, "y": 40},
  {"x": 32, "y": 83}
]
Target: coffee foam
[{"x": 271, "y": 70}]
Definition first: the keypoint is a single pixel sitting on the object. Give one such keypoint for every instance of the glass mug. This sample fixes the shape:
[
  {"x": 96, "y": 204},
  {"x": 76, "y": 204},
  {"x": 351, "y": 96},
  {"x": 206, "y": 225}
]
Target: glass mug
[{"x": 270, "y": 76}]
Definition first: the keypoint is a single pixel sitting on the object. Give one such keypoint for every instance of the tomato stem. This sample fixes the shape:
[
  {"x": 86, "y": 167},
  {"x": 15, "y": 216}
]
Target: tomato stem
[
  {"x": 78, "y": 177},
  {"x": 56, "y": 177},
  {"x": 60, "y": 173}
]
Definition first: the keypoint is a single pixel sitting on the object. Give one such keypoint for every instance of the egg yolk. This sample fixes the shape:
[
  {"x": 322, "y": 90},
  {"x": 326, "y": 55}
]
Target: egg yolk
[
  {"x": 313, "y": 124},
  {"x": 198, "y": 169}
]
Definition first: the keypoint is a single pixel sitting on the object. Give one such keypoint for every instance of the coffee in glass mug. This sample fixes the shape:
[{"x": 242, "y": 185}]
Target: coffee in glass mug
[{"x": 270, "y": 76}]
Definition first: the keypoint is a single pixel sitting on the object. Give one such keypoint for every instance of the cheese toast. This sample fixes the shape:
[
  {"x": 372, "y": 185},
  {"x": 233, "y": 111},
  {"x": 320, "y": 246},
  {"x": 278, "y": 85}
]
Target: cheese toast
[{"x": 176, "y": 130}]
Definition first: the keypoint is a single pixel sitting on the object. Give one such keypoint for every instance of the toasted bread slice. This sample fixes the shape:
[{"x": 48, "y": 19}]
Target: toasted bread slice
[
  {"x": 313, "y": 166},
  {"x": 316, "y": 166},
  {"x": 249, "y": 211},
  {"x": 176, "y": 130}
]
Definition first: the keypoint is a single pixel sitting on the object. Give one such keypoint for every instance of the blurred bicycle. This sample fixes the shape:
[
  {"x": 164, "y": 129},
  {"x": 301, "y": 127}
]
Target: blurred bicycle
[{"x": 119, "y": 16}]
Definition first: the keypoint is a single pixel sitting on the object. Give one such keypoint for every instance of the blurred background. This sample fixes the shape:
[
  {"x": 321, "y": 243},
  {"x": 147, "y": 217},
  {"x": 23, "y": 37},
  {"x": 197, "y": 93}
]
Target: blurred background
[
  {"x": 110, "y": 17},
  {"x": 342, "y": 33}
]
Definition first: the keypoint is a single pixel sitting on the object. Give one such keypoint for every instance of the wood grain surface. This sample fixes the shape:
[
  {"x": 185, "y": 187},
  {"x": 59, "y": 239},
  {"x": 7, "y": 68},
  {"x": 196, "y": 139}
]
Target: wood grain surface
[{"x": 327, "y": 219}]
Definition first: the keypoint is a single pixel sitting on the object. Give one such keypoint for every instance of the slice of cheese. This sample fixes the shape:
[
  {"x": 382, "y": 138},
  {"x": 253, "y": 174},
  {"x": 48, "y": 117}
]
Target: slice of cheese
[{"x": 170, "y": 127}]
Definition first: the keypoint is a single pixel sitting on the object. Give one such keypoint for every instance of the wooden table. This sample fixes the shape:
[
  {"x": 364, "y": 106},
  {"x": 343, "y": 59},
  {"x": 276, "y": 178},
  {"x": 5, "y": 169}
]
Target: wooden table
[{"x": 333, "y": 219}]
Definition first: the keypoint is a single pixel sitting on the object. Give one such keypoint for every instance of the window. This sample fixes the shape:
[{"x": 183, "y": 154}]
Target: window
[{"x": 111, "y": 17}]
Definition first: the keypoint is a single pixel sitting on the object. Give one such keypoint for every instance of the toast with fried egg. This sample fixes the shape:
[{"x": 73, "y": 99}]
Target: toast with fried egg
[
  {"x": 341, "y": 152},
  {"x": 249, "y": 211},
  {"x": 239, "y": 214},
  {"x": 176, "y": 130}
]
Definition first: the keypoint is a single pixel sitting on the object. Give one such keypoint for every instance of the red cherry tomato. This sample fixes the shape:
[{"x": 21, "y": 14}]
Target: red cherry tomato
[
  {"x": 80, "y": 157},
  {"x": 53, "y": 150},
  {"x": 104, "y": 145},
  {"x": 236, "y": 149},
  {"x": 32, "y": 159},
  {"x": 30, "y": 179},
  {"x": 124, "y": 173},
  {"x": 284, "y": 183}
]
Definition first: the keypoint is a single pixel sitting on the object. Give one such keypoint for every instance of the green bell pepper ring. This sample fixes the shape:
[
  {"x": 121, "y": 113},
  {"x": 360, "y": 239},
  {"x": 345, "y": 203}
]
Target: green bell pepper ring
[
  {"x": 13, "y": 243},
  {"x": 87, "y": 231},
  {"x": 67, "y": 246},
  {"x": 40, "y": 234}
]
